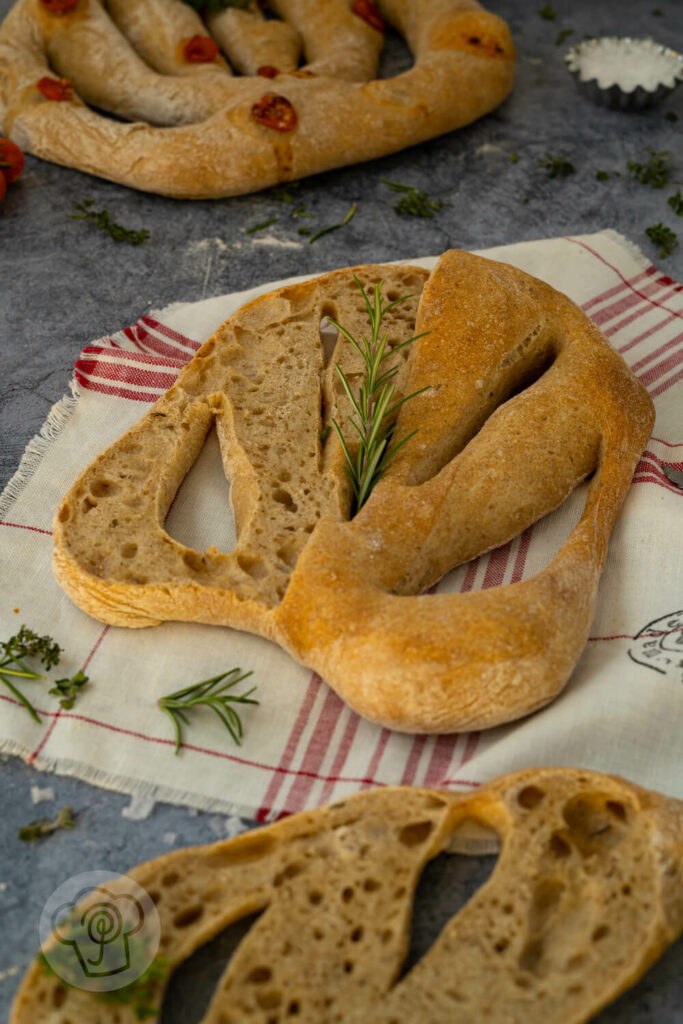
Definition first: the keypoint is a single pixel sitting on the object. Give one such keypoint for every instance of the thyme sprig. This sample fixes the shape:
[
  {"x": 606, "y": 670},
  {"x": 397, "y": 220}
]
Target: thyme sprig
[
  {"x": 45, "y": 827},
  {"x": 413, "y": 201},
  {"x": 69, "y": 689},
  {"x": 374, "y": 407},
  {"x": 212, "y": 693},
  {"x": 656, "y": 172},
  {"x": 140, "y": 994},
  {"x": 103, "y": 221},
  {"x": 26, "y": 644},
  {"x": 556, "y": 166},
  {"x": 676, "y": 203},
  {"x": 664, "y": 237}
]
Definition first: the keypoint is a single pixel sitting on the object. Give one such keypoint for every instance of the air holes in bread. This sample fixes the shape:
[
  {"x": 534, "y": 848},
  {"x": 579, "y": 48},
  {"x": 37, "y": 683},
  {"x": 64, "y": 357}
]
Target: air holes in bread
[
  {"x": 188, "y": 916},
  {"x": 413, "y": 835},
  {"x": 530, "y": 797}
]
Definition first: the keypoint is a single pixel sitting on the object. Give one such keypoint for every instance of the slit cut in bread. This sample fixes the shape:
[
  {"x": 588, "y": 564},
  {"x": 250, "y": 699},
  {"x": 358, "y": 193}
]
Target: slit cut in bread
[
  {"x": 525, "y": 399},
  {"x": 586, "y": 894},
  {"x": 185, "y": 126}
]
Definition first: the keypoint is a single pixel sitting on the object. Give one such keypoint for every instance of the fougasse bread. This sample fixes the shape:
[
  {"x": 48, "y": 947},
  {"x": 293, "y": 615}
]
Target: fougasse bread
[
  {"x": 193, "y": 129},
  {"x": 585, "y": 895},
  {"x": 525, "y": 398}
]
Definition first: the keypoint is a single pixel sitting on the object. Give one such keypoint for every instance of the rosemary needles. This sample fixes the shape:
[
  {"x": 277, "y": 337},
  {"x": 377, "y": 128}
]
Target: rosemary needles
[
  {"x": 374, "y": 407},
  {"x": 212, "y": 693}
]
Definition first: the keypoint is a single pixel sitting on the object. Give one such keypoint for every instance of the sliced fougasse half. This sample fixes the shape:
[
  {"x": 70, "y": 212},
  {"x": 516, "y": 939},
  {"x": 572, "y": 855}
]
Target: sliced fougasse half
[
  {"x": 525, "y": 398},
  {"x": 193, "y": 129},
  {"x": 585, "y": 895}
]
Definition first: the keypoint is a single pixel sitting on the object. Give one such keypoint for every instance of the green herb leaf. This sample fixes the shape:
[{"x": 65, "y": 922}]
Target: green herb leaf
[
  {"x": 562, "y": 35},
  {"x": 261, "y": 226},
  {"x": 602, "y": 175},
  {"x": 413, "y": 201},
  {"x": 676, "y": 203},
  {"x": 656, "y": 172},
  {"x": 212, "y": 693},
  {"x": 514, "y": 158},
  {"x": 547, "y": 12},
  {"x": 282, "y": 192},
  {"x": 69, "y": 689},
  {"x": 556, "y": 166},
  {"x": 373, "y": 405},
  {"x": 672, "y": 116},
  {"x": 26, "y": 644},
  {"x": 103, "y": 221},
  {"x": 334, "y": 227},
  {"x": 664, "y": 237},
  {"x": 45, "y": 827}
]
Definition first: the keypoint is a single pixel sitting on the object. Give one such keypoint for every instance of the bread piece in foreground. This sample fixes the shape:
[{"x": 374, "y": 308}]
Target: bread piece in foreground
[
  {"x": 585, "y": 895},
  {"x": 525, "y": 398},
  {"x": 192, "y": 129}
]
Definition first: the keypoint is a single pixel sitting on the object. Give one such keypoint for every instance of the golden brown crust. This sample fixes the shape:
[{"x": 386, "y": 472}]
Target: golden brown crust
[
  {"x": 584, "y": 897},
  {"x": 525, "y": 398},
  {"x": 464, "y": 66}
]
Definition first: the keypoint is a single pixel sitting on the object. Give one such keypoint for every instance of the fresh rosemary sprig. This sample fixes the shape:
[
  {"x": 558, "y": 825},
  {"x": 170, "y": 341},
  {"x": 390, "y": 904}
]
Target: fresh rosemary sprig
[
  {"x": 556, "y": 166},
  {"x": 103, "y": 221},
  {"x": 26, "y": 644},
  {"x": 333, "y": 227},
  {"x": 664, "y": 237},
  {"x": 656, "y": 172},
  {"x": 45, "y": 827},
  {"x": 210, "y": 693},
  {"x": 373, "y": 406},
  {"x": 413, "y": 200},
  {"x": 259, "y": 227}
]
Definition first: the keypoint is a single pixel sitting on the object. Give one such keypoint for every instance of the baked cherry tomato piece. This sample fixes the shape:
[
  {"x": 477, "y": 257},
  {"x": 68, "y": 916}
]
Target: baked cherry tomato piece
[
  {"x": 59, "y": 6},
  {"x": 366, "y": 10},
  {"x": 200, "y": 50},
  {"x": 268, "y": 71},
  {"x": 276, "y": 112},
  {"x": 57, "y": 89},
  {"x": 3, "y": 187},
  {"x": 11, "y": 160}
]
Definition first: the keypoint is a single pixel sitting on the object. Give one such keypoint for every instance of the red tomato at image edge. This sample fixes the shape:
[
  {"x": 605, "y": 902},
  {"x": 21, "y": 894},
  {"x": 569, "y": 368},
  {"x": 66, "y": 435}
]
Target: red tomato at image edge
[
  {"x": 11, "y": 161},
  {"x": 3, "y": 187}
]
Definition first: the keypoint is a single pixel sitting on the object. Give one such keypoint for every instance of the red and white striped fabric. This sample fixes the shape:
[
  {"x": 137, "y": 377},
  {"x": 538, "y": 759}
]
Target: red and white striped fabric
[{"x": 621, "y": 712}]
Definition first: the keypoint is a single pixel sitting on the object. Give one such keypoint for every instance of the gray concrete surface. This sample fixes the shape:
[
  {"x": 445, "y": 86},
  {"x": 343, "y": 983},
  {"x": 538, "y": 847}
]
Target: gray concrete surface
[{"x": 63, "y": 283}]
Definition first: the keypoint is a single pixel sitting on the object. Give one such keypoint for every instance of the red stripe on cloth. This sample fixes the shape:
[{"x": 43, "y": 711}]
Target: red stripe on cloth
[
  {"x": 636, "y": 315},
  {"x": 470, "y": 748},
  {"x": 656, "y": 353},
  {"x": 58, "y": 714},
  {"x": 342, "y": 753},
  {"x": 151, "y": 343},
  {"x": 467, "y": 783},
  {"x": 123, "y": 356},
  {"x": 470, "y": 575},
  {"x": 126, "y": 374},
  {"x": 584, "y": 245},
  {"x": 20, "y": 526},
  {"x": 442, "y": 754},
  {"x": 291, "y": 745},
  {"x": 497, "y": 566},
  {"x": 660, "y": 483},
  {"x": 411, "y": 765},
  {"x": 654, "y": 392},
  {"x": 655, "y": 372},
  {"x": 627, "y": 302},
  {"x": 107, "y": 389},
  {"x": 376, "y": 758},
  {"x": 318, "y": 746},
  {"x": 669, "y": 444},
  {"x": 645, "y": 334},
  {"x": 131, "y": 334},
  {"x": 522, "y": 552},
  {"x": 169, "y": 332},
  {"x": 615, "y": 289}
]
